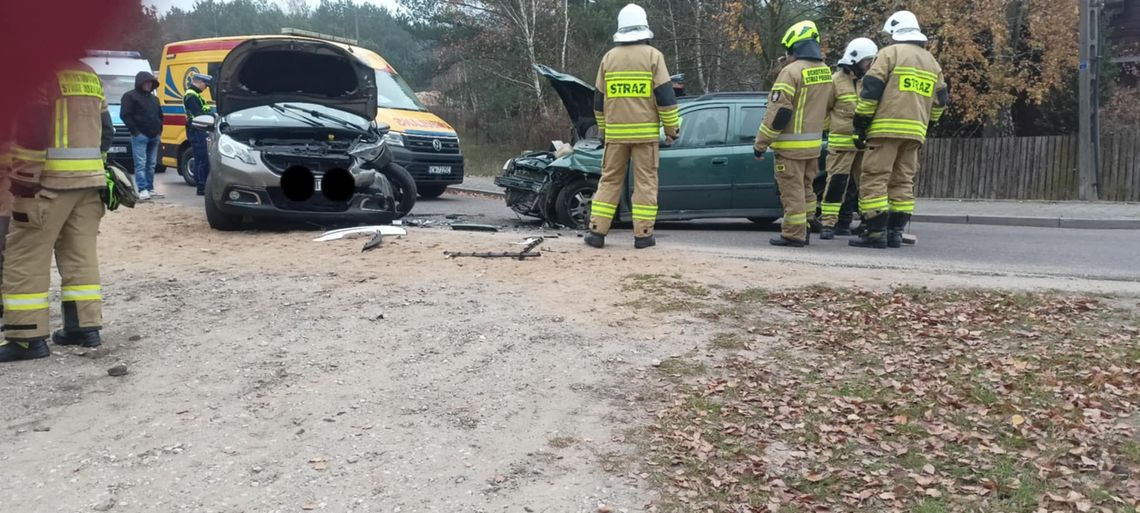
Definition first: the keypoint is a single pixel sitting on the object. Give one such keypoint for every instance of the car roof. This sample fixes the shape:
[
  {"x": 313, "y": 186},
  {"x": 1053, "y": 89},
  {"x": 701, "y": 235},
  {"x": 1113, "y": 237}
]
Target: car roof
[{"x": 731, "y": 97}]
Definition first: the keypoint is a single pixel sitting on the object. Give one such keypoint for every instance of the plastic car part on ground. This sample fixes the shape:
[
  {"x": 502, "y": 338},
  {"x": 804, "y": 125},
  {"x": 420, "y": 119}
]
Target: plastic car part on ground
[{"x": 360, "y": 230}]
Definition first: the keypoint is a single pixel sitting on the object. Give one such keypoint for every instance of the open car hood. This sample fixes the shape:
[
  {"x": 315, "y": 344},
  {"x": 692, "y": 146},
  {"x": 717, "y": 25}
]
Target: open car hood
[
  {"x": 275, "y": 69},
  {"x": 576, "y": 95}
]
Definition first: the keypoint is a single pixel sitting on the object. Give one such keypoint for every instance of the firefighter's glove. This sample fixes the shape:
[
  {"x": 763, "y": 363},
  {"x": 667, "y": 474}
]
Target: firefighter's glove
[{"x": 862, "y": 123}]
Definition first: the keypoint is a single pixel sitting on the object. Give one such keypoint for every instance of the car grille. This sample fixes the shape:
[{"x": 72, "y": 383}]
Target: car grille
[
  {"x": 317, "y": 203},
  {"x": 318, "y": 165},
  {"x": 425, "y": 144},
  {"x": 122, "y": 132}
]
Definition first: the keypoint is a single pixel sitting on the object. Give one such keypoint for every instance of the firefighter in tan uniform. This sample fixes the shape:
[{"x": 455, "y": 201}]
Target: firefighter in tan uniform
[
  {"x": 903, "y": 92},
  {"x": 634, "y": 99},
  {"x": 798, "y": 105},
  {"x": 843, "y": 158},
  {"x": 58, "y": 151}
]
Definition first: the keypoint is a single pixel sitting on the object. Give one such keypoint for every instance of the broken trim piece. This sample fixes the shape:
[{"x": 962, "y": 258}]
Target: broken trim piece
[{"x": 344, "y": 232}]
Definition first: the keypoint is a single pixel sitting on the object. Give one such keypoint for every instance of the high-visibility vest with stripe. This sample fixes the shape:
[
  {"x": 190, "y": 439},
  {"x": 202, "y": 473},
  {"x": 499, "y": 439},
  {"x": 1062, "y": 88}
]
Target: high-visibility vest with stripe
[
  {"x": 71, "y": 159},
  {"x": 912, "y": 93},
  {"x": 803, "y": 87},
  {"x": 635, "y": 98}
]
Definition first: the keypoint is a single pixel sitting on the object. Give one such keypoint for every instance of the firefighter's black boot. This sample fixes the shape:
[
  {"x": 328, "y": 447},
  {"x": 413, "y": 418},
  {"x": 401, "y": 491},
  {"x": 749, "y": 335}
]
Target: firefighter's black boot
[
  {"x": 644, "y": 242},
  {"x": 827, "y": 233},
  {"x": 874, "y": 234},
  {"x": 89, "y": 339},
  {"x": 13, "y": 351},
  {"x": 895, "y": 229},
  {"x": 596, "y": 240},
  {"x": 843, "y": 227}
]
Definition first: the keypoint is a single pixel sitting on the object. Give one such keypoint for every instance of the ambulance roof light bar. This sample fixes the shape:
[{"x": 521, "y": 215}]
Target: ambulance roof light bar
[{"x": 316, "y": 35}]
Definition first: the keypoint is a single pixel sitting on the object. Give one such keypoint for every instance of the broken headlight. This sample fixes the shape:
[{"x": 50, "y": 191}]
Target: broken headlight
[
  {"x": 394, "y": 138},
  {"x": 231, "y": 149},
  {"x": 507, "y": 165},
  {"x": 367, "y": 150}
]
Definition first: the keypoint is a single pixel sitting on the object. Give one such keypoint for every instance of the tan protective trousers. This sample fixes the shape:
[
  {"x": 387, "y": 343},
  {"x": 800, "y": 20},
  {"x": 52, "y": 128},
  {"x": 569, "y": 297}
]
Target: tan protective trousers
[
  {"x": 794, "y": 178},
  {"x": 887, "y": 182},
  {"x": 842, "y": 168},
  {"x": 66, "y": 223},
  {"x": 615, "y": 163}
]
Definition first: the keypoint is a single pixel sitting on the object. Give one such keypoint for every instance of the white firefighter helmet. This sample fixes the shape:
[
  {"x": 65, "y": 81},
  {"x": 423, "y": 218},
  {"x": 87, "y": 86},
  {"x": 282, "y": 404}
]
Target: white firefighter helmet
[
  {"x": 903, "y": 27},
  {"x": 633, "y": 25},
  {"x": 857, "y": 50}
]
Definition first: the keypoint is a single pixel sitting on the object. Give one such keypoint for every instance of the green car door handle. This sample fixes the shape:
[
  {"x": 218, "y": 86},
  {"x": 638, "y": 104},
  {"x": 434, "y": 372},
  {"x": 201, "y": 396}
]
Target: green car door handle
[{"x": 719, "y": 161}]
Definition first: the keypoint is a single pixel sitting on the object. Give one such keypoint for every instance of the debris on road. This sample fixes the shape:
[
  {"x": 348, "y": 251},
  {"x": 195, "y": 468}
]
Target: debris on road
[
  {"x": 360, "y": 230},
  {"x": 531, "y": 243},
  {"x": 472, "y": 227},
  {"x": 117, "y": 371},
  {"x": 373, "y": 243}
]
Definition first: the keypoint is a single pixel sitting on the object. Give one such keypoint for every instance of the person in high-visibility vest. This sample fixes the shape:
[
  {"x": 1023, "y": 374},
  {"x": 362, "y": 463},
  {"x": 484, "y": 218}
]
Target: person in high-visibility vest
[
  {"x": 844, "y": 160},
  {"x": 58, "y": 151},
  {"x": 196, "y": 106},
  {"x": 903, "y": 93},
  {"x": 633, "y": 103},
  {"x": 798, "y": 105}
]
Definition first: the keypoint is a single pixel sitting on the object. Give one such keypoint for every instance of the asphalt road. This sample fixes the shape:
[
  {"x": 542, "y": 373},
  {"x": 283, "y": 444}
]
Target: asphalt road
[{"x": 974, "y": 249}]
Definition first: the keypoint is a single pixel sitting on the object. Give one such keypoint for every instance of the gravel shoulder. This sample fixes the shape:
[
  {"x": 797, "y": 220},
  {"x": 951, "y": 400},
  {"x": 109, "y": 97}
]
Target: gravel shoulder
[{"x": 268, "y": 372}]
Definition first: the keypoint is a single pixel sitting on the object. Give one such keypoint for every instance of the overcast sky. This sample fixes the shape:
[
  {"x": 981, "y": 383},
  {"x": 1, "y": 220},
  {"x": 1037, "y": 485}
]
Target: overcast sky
[{"x": 165, "y": 5}]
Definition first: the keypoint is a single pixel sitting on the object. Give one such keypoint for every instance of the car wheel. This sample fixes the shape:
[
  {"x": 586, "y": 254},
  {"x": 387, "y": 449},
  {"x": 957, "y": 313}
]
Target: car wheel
[
  {"x": 573, "y": 203},
  {"x": 431, "y": 191},
  {"x": 185, "y": 161},
  {"x": 219, "y": 220},
  {"x": 404, "y": 187}
]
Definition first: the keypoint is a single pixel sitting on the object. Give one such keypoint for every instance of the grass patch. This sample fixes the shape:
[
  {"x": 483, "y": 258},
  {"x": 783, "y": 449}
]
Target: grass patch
[
  {"x": 681, "y": 367},
  {"x": 729, "y": 341}
]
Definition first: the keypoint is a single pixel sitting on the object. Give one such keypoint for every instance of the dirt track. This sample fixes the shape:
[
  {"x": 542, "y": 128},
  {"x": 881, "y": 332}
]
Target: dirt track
[{"x": 272, "y": 373}]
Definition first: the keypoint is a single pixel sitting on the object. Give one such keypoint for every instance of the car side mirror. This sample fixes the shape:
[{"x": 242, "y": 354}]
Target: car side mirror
[{"x": 204, "y": 122}]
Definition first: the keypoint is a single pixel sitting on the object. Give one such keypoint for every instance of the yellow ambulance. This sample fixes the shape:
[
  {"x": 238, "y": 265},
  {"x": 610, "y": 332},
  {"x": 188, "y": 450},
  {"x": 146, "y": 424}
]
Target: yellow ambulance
[{"x": 421, "y": 142}]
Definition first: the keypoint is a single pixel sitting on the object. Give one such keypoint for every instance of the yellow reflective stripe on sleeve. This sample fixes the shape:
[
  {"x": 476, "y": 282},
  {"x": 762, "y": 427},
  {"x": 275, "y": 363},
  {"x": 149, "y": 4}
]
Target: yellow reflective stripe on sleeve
[
  {"x": 840, "y": 140},
  {"x": 670, "y": 116},
  {"x": 795, "y": 219},
  {"x": 25, "y": 302},
  {"x": 784, "y": 88},
  {"x": 771, "y": 134},
  {"x": 936, "y": 113},
  {"x": 866, "y": 107},
  {"x": 73, "y": 165},
  {"x": 848, "y": 98}
]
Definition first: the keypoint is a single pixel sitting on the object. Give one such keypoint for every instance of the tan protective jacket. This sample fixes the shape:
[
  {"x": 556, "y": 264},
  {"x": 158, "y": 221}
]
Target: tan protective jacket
[
  {"x": 59, "y": 142},
  {"x": 840, "y": 136},
  {"x": 797, "y": 110},
  {"x": 634, "y": 97},
  {"x": 904, "y": 91}
]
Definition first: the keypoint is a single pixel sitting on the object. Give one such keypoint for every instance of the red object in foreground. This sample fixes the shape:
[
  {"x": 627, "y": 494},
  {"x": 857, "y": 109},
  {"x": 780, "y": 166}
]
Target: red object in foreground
[{"x": 35, "y": 37}]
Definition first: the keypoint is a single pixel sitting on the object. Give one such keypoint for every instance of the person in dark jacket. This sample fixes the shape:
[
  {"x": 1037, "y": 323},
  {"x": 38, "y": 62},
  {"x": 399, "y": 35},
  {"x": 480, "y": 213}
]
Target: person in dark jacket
[{"x": 143, "y": 116}]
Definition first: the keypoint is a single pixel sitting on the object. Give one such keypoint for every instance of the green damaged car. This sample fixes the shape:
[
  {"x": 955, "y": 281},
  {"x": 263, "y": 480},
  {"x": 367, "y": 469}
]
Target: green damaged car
[{"x": 709, "y": 172}]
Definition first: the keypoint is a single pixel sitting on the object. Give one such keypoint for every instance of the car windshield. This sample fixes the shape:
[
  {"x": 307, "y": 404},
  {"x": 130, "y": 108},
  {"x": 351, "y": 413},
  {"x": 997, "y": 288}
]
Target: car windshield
[
  {"x": 115, "y": 86},
  {"x": 393, "y": 93},
  {"x": 291, "y": 117}
]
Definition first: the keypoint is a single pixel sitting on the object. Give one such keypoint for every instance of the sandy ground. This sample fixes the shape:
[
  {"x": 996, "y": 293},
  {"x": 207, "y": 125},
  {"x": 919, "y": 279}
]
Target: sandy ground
[{"x": 269, "y": 372}]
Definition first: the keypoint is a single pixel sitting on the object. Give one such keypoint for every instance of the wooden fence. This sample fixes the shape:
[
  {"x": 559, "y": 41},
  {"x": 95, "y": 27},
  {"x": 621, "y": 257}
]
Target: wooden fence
[{"x": 1027, "y": 168}]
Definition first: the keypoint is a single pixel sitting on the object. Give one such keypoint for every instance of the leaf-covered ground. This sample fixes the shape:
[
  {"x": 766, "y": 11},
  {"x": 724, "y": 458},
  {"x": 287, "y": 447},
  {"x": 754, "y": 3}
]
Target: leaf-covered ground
[{"x": 909, "y": 400}]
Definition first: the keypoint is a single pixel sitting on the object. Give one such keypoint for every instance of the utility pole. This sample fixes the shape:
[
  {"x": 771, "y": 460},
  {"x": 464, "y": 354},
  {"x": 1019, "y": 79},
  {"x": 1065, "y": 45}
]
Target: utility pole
[{"x": 1088, "y": 141}]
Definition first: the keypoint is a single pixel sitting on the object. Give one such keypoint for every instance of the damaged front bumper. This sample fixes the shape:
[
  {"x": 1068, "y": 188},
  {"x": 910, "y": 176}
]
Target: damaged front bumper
[{"x": 528, "y": 182}]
